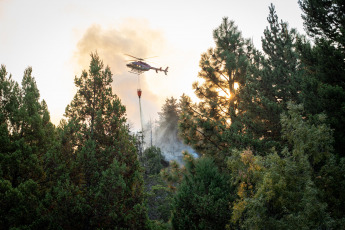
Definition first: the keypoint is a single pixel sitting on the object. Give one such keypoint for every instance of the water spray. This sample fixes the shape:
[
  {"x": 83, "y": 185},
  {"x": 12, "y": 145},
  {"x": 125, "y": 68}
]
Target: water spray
[{"x": 141, "y": 116}]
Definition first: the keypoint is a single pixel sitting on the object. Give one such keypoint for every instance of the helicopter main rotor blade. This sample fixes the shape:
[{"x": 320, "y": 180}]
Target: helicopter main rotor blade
[
  {"x": 149, "y": 57},
  {"x": 140, "y": 59},
  {"x": 134, "y": 57}
]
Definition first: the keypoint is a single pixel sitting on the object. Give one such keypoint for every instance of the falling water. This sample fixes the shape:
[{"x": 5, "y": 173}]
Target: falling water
[{"x": 141, "y": 114}]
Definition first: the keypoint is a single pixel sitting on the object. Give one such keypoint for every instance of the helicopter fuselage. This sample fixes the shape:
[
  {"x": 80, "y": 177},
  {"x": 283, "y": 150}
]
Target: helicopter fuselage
[{"x": 139, "y": 66}]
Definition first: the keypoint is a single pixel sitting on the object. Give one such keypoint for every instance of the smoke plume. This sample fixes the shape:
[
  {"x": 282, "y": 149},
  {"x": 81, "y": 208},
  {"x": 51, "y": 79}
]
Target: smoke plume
[{"x": 132, "y": 37}]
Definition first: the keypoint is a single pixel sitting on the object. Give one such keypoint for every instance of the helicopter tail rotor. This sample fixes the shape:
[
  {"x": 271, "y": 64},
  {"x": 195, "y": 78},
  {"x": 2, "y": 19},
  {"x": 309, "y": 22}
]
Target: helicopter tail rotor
[{"x": 166, "y": 70}]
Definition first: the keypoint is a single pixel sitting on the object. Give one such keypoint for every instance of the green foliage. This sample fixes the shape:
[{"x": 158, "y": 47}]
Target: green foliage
[
  {"x": 323, "y": 86},
  {"x": 202, "y": 199},
  {"x": 325, "y": 19},
  {"x": 278, "y": 191},
  {"x": 98, "y": 181},
  {"x": 212, "y": 126},
  {"x": 152, "y": 160},
  {"x": 312, "y": 139},
  {"x": 26, "y": 135},
  {"x": 273, "y": 80},
  {"x": 285, "y": 197},
  {"x": 159, "y": 196},
  {"x": 331, "y": 182},
  {"x": 245, "y": 171},
  {"x": 325, "y": 81},
  {"x": 267, "y": 162},
  {"x": 172, "y": 174},
  {"x": 20, "y": 206},
  {"x": 323, "y": 92},
  {"x": 168, "y": 118}
]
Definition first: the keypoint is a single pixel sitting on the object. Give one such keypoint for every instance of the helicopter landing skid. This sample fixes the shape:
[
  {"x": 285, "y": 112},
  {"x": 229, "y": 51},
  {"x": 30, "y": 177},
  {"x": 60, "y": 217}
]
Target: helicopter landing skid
[{"x": 135, "y": 72}]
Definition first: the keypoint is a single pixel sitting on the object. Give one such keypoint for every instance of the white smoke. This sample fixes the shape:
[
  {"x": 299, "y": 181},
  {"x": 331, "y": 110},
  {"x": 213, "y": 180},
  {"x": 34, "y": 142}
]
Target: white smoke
[
  {"x": 132, "y": 37},
  {"x": 167, "y": 140}
]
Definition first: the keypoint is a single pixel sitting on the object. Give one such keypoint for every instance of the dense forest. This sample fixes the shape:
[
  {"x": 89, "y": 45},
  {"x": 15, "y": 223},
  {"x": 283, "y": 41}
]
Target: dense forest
[{"x": 269, "y": 130}]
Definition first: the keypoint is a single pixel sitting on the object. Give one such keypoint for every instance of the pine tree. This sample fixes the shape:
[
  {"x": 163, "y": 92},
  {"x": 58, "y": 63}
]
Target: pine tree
[
  {"x": 325, "y": 19},
  {"x": 153, "y": 160},
  {"x": 202, "y": 199},
  {"x": 212, "y": 126},
  {"x": 26, "y": 134},
  {"x": 323, "y": 90},
  {"x": 168, "y": 121},
  {"x": 273, "y": 80},
  {"x": 324, "y": 83},
  {"x": 103, "y": 184}
]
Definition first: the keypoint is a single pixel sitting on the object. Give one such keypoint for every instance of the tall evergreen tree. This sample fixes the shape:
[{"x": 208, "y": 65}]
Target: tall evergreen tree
[
  {"x": 166, "y": 133},
  {"x": 223, "y": 69},
  {"x": 323, "y": 90},
  {"x": 325, "y": 19},
  {"x": 273, "y": 80},
  {"x": 26, "y": 134},
  {"x": 168, "y": 120},
  {"x": 103, "y": 186},
  {"x": 324, "y": 84}
]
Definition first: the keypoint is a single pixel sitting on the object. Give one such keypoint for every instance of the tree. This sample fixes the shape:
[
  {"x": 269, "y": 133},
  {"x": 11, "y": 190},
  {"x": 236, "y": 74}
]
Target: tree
[
  {"x": 324, "y": 83},
  {"x": 103, "y": 186},
  {"x": 166, "y": 133},
  {"x": 26, "y": 134},
  {"x": 273, "y": 80},
  {"x": 168, "y": 118},
  {"x": 159, "y": 197},
  {"x": 278, "y": 191},
  {"x": 202, "y": 199},
  {"x": 323, "y": 86},
  {"x": 330, "y": 181},
  {"x": 153, "y": 160},
  {"x": 325, "y": 19},
  {"x": 323, "y": 91},
  {"x": 223, "y": 70}
]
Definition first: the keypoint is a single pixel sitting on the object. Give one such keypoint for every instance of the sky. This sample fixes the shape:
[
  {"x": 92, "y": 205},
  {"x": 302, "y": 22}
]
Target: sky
[{"x": 56, "y": 38}]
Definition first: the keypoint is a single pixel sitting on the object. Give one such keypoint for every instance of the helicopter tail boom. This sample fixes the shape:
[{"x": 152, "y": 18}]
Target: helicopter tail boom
[{"x": 160, "y": 69}]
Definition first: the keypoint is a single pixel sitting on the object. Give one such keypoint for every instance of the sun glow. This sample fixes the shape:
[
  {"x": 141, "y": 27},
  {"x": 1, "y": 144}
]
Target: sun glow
[
  {"x": 226, "y": 92},
  {"x": 236, "y": 85}
]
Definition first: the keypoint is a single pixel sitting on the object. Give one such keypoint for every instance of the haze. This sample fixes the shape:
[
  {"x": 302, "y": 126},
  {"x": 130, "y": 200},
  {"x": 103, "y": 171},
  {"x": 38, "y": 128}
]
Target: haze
[{"x": 57, "y": 37}]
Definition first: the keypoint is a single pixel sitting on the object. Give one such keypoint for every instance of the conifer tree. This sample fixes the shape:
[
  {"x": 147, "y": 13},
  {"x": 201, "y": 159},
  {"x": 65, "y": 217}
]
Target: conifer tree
[
  {"x": 324, "y": 84},
  {"x": 103, "y": 186},
  {"x": 323, "y": 90},
  {"x": 223, "y": 70},
  {"x": 325, "y": 19},
  {"x": 202, "y": 199},
  {"x": 274, "y": 79},
  {"x": 159, "y": 196},
  {"x": 168, "y": 120},
  {"x": 26, "y": 134}
]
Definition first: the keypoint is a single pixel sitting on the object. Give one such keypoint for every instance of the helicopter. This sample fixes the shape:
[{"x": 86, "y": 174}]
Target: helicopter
[{"x": 138, "y": 66}]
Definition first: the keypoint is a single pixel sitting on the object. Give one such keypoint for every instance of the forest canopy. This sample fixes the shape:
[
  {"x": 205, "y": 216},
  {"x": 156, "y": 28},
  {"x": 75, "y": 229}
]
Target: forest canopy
[{"x": 268, "y": 130}]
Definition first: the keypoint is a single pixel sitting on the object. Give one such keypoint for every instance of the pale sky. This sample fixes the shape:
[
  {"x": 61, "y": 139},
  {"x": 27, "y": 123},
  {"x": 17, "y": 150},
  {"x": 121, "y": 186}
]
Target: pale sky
[{"x": 57, "y": 37}]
